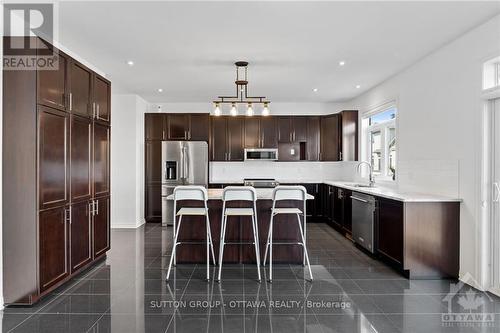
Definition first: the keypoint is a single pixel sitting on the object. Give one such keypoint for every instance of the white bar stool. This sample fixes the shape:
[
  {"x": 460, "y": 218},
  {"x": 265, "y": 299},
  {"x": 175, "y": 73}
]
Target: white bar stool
[
  {"x": 291, "y": 193},
  {"x": 239, "y": 193},
  {"x": 194, "y": 193}
]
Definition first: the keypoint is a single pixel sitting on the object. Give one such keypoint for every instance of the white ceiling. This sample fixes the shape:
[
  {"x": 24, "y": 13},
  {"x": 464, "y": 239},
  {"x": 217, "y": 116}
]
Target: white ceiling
[{"x": 188, "y": 48}]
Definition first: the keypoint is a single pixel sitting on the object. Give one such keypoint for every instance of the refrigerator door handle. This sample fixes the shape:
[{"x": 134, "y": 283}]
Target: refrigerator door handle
[{"x": 187, "y": 162}]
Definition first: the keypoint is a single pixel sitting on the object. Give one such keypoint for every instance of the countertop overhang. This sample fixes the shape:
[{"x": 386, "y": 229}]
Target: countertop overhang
[{"x": 262, "y": 194}]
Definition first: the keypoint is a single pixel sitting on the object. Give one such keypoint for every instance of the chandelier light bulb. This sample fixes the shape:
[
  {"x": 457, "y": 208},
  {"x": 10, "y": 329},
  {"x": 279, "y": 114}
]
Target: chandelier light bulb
[
  {"x": 217, "y": 109},
  {"x": 250, "y": 110},
  {"x": 265, "y": 111},
  {"x": 234, "y": 111}
]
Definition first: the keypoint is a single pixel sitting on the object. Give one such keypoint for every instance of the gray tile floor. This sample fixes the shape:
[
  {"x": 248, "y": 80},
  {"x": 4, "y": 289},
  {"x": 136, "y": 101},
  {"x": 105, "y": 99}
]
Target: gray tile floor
[{"x": 351, "y": 293}]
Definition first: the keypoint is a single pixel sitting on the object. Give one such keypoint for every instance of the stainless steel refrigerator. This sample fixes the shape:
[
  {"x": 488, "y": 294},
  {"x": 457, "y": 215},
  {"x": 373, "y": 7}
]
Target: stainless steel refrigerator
[{"x": 182, "y": 163}]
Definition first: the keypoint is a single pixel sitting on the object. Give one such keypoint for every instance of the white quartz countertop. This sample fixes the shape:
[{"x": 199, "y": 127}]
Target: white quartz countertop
[
  {"x": 262, "y": 194},
  {"x": 392, "y": 194}
]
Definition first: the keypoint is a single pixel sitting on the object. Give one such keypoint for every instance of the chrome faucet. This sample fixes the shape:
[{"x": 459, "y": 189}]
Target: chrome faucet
[{"x": 371, "y": 179}]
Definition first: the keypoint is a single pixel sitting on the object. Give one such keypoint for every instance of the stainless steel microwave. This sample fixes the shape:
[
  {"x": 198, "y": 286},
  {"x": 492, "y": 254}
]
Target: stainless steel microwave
[{"x": 261, "y": 154}]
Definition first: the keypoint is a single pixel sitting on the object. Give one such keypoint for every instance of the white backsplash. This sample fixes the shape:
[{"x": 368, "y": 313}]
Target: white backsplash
[
  {"x": 285, "y": 172},
  {"x": 439, "y": 177}
]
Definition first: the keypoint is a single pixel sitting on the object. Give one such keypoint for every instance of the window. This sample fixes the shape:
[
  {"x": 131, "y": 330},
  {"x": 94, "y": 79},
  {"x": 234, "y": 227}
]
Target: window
[
  {"x": 491, "y": 73},
  {"x": 379, "y": 132}
]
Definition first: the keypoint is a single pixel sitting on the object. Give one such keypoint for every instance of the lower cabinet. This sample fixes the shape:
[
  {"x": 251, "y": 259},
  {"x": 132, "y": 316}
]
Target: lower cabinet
[
  {"x": 153, "y": 203},
  {"x": 81, "y": 235},
  {"x": 101, "y": 226},
  {"x": 53, "y": 246},
  {"x": 70, "y": 238},
  {"x": 390, "y": 229}
]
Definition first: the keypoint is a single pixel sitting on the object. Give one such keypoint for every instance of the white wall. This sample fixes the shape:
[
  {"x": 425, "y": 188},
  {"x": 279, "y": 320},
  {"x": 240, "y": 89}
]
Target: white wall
[
  {"x": 126, "y": 160},
  {"x": 439, "y": 127}
]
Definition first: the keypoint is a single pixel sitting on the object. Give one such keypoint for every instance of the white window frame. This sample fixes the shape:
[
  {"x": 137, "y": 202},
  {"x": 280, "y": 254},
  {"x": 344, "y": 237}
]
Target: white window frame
[{"x": 383, "y": 127}]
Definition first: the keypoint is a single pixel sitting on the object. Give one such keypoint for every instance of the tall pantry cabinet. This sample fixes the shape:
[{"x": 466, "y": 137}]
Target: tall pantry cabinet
[{"x": 56, "y": 175}]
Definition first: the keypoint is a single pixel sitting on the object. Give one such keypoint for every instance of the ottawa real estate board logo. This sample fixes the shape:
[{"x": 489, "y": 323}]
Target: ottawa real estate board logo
[
  {"x": 28, "y": 34},
  {"x": 467, "y": 307}
]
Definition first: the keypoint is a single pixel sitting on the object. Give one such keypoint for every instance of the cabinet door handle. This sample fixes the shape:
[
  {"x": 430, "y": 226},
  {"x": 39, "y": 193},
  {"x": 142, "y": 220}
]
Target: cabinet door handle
[
  {"x": 93, "y": 110},
  {"x": 97, "y": 207},
  {"x": 70, "y": 101},
  {"x": 91, "y": 208},
  {"x": 98, "y": 116},
  {"x": 341, "y": 156},
  {"x": 67, "y": 215},
  {"x": 163, "y": 134}
]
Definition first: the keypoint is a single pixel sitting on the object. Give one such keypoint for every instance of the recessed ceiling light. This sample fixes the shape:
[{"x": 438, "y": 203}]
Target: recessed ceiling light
[
  {"x": 341, "y": 63},
  {"x": 315, "y": 89},
  {"x": 358, "y": 86},
  {"x": 130, "y": 63},
  {"x": 160, "y": 90}
]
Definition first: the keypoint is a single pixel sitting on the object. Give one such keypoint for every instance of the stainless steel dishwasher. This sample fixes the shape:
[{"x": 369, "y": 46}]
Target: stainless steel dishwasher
[{"x": 363, "y": 220}]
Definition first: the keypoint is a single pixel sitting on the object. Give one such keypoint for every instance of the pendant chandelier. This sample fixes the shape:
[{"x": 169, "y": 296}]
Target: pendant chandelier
[{"x": 241, "y": 96}]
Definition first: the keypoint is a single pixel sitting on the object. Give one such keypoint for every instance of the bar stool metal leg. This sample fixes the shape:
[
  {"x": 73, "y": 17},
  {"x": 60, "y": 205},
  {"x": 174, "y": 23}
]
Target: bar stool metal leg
[
  {"x": 221, "y": 246},
  {"x": 211, "y": 240},
  {"x": 271, "y": 249},
  {"x": 256, "y": 243},
  {"x": 172, "y": 258},
  {"x": 304, "y": 246},
  {"x": 207, "y": 223},
  {"x": 268, "y": 240}
]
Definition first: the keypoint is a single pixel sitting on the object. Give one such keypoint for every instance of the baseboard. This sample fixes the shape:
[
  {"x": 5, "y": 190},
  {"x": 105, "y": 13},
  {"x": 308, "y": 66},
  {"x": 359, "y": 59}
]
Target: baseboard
[{"x": 125, "y": 226}]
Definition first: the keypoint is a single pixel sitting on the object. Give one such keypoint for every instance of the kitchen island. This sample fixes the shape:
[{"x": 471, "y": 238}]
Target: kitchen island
[{"x": 239, "y": 229}]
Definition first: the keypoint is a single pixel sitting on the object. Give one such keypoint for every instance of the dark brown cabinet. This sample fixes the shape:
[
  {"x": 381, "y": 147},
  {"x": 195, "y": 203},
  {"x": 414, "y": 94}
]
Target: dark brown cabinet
[
  {"x": 153, "y": 162},
  {"x": 285, "y": 130},
  {"x": 349, "y": 139},
  {"x": 101, "y": 226},
  {"x": 268, "y": 132},
  {"x": 57, "y": 167},
  {"x": 390, "y": 229},
  {"x": 81, "y": 158},
  {"x": 53, "y": 245},
  {"x": 226, "y": 139},
  {"x": 235, "y": 139},
  {"x": 101, "y": 159},
  {"x": 80, "y": 235},
  {"x": 292, "y": 129},
  {"x": 53, "y": 130},
  {"x": 52, "y": 84},
  {"x": 218, "y": 139},
  {"x": 330, "y": 139},
  {"x": 252, "y": 133},
  {"x": 341, "y": 209},
  {"x": 155, "y": 126},
  {"x": 313, "y": 138},
  {"x": 178, "y": 126},
  {"x": 153, "y": 203},
  {"x": 80, "y": 90},
  {"x": 102, "y": 96},
  {"x": 199, "y": 127}
]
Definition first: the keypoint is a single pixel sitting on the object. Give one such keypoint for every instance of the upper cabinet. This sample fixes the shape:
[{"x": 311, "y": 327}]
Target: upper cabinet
[
  {"x": 52, "y": 85},
  {"x": 199, "y": 127},
  {"x": 292, "y": 129},
  {"x": 330, "y": 138},
  {"x": 80, "y": 89},
  {"x": 102, "y": 95},
  {"x": 298, "y": 138},
  {"x": 349, "y": 138},
  {"x": 313, "y": 138},
  {"x": 227, "y": 138},
  {"x": 339, "y": 137},
  {"x": 176, "y": 126},
  {"x": 268, "y": 132}
]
